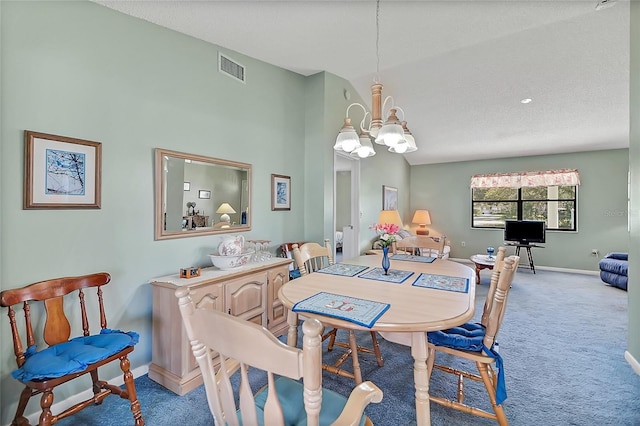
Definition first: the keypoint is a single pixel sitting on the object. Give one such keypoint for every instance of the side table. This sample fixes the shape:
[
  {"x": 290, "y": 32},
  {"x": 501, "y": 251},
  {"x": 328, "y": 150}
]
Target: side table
[{"x": 482, "y": 261}]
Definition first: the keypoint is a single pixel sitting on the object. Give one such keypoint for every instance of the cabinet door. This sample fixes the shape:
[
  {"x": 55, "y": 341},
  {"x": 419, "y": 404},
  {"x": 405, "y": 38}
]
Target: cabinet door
[
  {"x": 246, "y": 298},
  {"x": 276, "y": 312}
]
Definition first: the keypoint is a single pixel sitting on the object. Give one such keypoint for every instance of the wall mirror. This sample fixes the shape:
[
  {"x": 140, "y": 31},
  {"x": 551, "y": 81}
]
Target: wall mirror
[{"x": 197, "y": 195}]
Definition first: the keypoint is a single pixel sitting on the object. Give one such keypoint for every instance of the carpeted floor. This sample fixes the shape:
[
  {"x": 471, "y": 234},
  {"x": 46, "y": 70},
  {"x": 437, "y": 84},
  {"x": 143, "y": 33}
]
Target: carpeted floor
[{"x": 563, "y": 340}]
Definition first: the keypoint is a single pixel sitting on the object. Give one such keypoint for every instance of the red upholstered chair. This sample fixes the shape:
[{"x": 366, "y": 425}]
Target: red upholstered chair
[{"x": 42, "y": 369}]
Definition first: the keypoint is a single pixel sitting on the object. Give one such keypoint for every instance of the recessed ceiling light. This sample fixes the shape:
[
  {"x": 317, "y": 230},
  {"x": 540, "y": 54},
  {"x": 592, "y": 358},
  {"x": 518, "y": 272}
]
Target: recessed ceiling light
[{"x": 525, "y": 101}]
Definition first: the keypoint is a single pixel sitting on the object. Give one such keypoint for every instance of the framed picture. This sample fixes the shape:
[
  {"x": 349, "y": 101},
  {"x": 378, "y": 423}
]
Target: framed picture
[
  {"x": 204, "y": 194},
  {"x": 280, "y": 192},
  {"x": 187, "y": 186},
  {"x": 389, "y": 198},
  {"x": 61, "y": 172}
]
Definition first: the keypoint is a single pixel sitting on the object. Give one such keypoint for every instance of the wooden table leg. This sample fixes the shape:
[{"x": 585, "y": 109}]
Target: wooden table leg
[
  {"x": 477, "y": 274},
  {"x": 420, "y": 377},
  {"x": 292, "y": 334},
  {"x": 357, "y": 373}
]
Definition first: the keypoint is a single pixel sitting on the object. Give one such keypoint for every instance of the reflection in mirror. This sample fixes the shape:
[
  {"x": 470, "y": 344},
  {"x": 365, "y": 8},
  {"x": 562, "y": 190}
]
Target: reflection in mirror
[{"x": 197, "y": 195}]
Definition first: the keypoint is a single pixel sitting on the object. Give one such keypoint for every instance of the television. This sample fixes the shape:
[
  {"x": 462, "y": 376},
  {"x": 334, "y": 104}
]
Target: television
[{"x": 524, "y": 231}]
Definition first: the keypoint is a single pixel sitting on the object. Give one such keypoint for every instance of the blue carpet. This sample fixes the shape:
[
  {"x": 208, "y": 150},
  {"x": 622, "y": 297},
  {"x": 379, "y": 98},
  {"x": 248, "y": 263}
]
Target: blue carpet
[{"x": 563, "y": 340}]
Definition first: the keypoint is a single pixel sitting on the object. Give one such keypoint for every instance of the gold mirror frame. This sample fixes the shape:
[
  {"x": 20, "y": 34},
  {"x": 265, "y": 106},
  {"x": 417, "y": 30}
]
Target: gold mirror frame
[{"x": 206, "y": 181}]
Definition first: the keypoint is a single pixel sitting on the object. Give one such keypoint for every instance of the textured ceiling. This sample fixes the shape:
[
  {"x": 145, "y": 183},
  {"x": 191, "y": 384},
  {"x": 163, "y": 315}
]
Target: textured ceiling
[{"x": 457, "y": 68}]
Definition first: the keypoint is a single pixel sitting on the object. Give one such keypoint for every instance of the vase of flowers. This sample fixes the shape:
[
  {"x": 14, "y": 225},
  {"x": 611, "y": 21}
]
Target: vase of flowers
[{"x": 387, "y": 235}]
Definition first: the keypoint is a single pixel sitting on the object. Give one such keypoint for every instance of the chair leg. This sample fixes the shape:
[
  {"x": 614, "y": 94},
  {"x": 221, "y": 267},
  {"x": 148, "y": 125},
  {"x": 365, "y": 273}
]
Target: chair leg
[
  {"x": 19, "y": 419},
  {"x": 332, "y": 338},
  {"x": 431, "y": 359},
  {"x": 131, "y": 391},
  {"x": 97, "y": 388},
  {"x": 376, "y": 349},
  {"x": 501, "y": 417},
  {"x": 46, "y": 417}
]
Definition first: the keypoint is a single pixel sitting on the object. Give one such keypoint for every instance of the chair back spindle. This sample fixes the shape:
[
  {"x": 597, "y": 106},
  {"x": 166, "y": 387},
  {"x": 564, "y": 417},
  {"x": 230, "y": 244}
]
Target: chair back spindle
[
  {"x": 495, "y": 274},
  {"x": 411, "y": 245},
  {"x": 311, "y": 257},
  {"x": 498, "y": 306}
]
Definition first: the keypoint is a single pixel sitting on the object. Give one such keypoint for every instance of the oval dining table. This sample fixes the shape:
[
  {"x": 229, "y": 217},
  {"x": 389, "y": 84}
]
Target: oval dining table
[{"x": 412, "y": 312}]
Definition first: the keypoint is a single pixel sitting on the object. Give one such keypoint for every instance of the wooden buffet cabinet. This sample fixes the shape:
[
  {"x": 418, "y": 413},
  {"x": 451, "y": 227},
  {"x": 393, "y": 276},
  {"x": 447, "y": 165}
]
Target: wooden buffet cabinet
[{"x": 249, "y": 292}]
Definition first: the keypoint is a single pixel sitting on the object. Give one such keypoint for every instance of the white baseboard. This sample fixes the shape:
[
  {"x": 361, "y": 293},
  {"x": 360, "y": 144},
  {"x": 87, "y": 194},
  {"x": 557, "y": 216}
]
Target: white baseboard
[
  {"x": 545, "y": 268},
  {"x": 74, "y": 399},
  {"x": 635, "y": 365}
]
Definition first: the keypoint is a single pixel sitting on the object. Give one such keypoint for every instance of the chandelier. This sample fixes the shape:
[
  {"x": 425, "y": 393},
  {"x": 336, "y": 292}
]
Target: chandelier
[{"x": 393, "y": 133}]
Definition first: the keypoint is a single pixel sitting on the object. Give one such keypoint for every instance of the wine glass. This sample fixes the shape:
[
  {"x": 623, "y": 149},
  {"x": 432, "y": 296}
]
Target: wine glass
[{"x": 490, "y": 251}]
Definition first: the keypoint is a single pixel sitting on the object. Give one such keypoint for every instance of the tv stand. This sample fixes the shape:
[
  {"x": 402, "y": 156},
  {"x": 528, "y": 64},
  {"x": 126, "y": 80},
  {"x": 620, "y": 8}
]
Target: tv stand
[{"x": 518, "y": 246}]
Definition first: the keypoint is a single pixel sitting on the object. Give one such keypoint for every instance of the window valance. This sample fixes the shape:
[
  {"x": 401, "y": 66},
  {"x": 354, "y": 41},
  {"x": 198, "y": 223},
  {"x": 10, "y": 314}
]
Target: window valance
[{"x": 563, "y": 177}]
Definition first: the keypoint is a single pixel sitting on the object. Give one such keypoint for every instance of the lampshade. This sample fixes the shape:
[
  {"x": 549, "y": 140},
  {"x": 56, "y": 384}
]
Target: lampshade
[
  {"x": 225, "y": 208},
  {"x": 410, "y": 145},
  {"x": 366, "y": 149},
  {"x": 422, "y": 218},
  {"x": 347, "y": 139},
  {"x": 391, "y": 133},
  {"x": 390, "y": 216}
]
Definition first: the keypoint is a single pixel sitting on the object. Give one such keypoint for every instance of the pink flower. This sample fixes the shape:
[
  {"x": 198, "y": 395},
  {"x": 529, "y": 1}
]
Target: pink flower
[{"x": 386, "y": 231}]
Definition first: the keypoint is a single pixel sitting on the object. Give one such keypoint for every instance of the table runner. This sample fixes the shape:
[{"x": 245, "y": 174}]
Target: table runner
[
  {"x": 360, "y": 311},
  {"x": 412, "y": 258},
  {"x": 442, "y": 282},
  {"x": 394, "y": 276},
  {"x": 343, "y": 269}
]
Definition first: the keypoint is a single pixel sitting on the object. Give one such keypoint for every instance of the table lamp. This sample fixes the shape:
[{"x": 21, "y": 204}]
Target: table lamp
[
  {"x": 390, "y": 216},
  {"x": 422, "y": 218},
  {"x": 225, "y": 209}
]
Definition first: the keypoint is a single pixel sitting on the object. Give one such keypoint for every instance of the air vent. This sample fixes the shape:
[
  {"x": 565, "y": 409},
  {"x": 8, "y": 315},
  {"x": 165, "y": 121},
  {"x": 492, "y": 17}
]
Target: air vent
[{"x": 231, "y": 68}]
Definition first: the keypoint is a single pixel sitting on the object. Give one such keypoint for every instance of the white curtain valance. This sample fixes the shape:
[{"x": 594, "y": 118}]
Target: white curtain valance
[{"x": 564, "y": 177}]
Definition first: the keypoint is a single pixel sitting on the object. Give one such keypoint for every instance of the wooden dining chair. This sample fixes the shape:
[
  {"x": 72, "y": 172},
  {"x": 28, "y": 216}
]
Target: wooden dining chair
[
  {"x": 475, "y": 343},
  {"x": 311, "y": 257},
  {"x": 242, "y": 345},
  {"x": 420, "y": 244},
  {"x": 66, "y": 359}
]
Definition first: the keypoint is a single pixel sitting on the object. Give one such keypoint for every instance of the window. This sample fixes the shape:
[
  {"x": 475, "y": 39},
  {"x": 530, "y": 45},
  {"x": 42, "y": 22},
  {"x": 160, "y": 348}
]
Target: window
[{"x": 556, "y": 205}]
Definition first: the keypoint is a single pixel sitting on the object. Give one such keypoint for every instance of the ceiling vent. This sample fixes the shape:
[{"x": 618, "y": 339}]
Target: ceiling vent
[
  {"x": 604, "y": 4},
  {"x": 231, "y": 68}
]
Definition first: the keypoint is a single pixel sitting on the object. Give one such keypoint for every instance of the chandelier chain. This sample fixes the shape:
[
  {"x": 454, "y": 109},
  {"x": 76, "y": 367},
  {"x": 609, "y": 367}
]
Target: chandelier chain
[{"x": 377, "y": 79}]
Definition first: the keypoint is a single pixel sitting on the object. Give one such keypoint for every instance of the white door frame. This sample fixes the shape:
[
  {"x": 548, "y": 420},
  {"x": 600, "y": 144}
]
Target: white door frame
[{"x": 354, "y": 164}]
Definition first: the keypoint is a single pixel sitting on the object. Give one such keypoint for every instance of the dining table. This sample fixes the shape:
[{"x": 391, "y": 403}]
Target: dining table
[{"x": 425, "y": 300}]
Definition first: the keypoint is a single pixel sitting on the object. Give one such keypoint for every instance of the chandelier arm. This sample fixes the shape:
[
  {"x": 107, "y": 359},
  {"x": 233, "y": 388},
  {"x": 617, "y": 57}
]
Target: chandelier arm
[
  {"x": 356, "y": 103},
  {"x": 384, "y": 103},
  {"x": 362, "y": 128}
]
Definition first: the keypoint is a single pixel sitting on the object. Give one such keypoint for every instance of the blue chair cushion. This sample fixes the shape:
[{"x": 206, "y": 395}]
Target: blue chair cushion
[
  {"x": 290, "y": 395},
  {"x": 469, "y": 337},
  {"x": 73, "y": 356}
]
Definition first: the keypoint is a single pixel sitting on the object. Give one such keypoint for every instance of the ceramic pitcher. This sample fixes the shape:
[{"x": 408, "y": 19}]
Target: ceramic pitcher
[{"x": 231, "y": 245}]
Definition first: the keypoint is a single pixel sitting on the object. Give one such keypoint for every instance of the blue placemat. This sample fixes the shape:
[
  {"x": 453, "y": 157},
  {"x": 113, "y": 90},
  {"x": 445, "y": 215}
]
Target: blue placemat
[
  {"x": 442, "y": 282},
  {"x": 344, "y": 269},
  {"x": 360, "y": 311},
  {"x": 412, "y": 258},
  {"x": 394, "y": 276}
]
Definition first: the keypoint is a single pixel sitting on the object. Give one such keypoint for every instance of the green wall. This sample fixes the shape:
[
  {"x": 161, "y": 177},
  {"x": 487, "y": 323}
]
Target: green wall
[
  {"x": 443, "y": 189},
  {"x": 82, "y": 70},
  {"x": 634, "y": 216}
]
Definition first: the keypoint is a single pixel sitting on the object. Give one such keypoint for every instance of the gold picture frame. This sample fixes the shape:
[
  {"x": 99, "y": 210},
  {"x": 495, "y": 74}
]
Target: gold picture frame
[{"x": 61, "y": 172}]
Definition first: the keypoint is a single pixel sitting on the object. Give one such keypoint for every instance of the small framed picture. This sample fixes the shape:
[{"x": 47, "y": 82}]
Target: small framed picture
[
  {"x": 389, "y": 198},
  {"x": 61, "y": 172},
  {"x": 187, "y": 186},
  {"x": 280, "y": 192},
  {"x": 204, "y": 194}
]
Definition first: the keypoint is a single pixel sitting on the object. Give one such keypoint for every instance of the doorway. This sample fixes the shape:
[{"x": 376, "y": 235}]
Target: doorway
[{"x": 346, "y": 207}]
